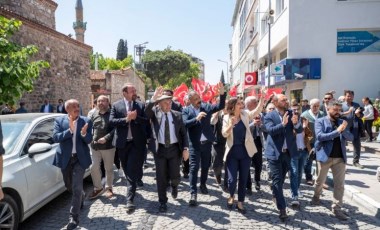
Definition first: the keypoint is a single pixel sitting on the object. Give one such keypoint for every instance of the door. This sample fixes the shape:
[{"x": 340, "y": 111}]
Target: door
[{"x": 43, "y": 179}]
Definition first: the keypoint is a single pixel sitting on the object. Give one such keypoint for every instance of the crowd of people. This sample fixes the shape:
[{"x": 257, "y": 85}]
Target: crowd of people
[{"x": 229, "y": 136}]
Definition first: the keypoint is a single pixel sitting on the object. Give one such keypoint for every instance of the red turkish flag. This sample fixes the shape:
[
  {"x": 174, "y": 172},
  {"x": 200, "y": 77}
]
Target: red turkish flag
[
  {"x": 180, "y": 93},
  {"x": 270, "y": 91},
  {"x": 208, "y": 94},
  {"x": 198, "y": 85},
  {"x": 233, "y": 91},
  {"x": 250, "y": 79},
  {"x": 252, "y": 93}
]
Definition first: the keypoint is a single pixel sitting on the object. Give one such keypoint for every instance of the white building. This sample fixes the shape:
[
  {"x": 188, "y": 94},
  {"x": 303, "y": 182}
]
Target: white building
[{"x": 320, "y": 45}]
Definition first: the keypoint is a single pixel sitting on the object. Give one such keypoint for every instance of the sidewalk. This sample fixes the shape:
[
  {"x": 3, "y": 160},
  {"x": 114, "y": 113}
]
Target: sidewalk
[{"x": 362, "y": 186}]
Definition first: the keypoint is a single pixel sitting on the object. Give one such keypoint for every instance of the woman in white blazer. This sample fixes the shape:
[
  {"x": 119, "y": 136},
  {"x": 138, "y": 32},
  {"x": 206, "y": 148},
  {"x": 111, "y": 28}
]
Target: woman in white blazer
[{"x": 240, "y": 147}]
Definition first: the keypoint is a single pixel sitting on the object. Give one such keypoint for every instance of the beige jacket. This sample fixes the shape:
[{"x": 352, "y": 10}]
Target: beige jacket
[{"x": 246, "y": 117}]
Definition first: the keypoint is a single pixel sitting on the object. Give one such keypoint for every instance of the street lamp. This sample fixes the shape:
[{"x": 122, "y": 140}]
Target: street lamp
[
  {"x": 227, "y": 69},
  {"x": 138, "y": 50}
]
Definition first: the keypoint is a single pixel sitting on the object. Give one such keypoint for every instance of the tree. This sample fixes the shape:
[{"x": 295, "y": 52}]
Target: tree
[
  {"x": 162, "y": 66},
  {"x": 120, "y": 50},
  {"x": 17, "y": 71},
  {"x": 125, "y": 48},
  {"x": 186, "y": 77},
  {"x": 222, "y": 78}
]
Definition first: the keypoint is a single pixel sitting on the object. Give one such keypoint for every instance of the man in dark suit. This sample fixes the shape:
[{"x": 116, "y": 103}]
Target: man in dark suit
[
  {"x": 197, "y": 118},
  {"x": 128, "y": 116},
  {"x": 171, "y": 138},
  {"x": 280, "y": 124},
  {"x": 46, "y": 107},
  {"x": 61, "y": 106},
  {"x": 332, "y": 133},
  {"x": 73, "y": 133}
]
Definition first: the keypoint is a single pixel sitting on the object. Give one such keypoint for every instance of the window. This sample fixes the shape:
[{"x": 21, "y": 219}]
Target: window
[
  {"x": 42, "y": 133},
  {"x": 280, "y": 5},
  {"x": 283, "y": 54},
  {"x": 243, "y": 16},
  {"x": 256, "y": 18}
]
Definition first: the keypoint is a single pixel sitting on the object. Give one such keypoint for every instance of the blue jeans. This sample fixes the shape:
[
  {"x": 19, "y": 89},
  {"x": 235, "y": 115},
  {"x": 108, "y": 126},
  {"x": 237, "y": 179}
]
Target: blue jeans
[
  {"x": 297, "y": 163},
  {"x": 279, "y": 168},
  {"x": 238, "y": 160},
  {"x": 202, "y": 157}
]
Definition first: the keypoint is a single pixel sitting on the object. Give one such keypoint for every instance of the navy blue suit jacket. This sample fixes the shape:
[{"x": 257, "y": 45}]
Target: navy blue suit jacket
[
  {"x": 325, "y": 135},
  {"x": 196, "y": 128},
  {"x": 118, "y": 119},
  {"x": 277, "y": 134},
  {"x": 63, "y": 136},
  {"x": 42, "y": 109}
]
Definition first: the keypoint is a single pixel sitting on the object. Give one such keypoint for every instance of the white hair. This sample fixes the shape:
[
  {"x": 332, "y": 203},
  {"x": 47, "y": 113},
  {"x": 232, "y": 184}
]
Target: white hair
[
  {"x": 315, "y": 101},
  {"x": 250, "y": 99},
  {"x": 71, "y": 102}
]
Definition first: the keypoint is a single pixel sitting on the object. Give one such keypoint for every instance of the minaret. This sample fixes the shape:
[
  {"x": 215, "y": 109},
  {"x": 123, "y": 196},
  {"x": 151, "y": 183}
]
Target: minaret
[{"x": 79, "y": 26}]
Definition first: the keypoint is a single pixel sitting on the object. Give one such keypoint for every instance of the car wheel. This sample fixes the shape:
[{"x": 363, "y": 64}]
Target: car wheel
[{"x": 9, "y": 213}]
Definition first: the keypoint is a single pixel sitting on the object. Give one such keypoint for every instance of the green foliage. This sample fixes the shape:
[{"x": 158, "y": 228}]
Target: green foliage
[
  {"x": 163, "y": 66},
  {"x": 110, "y": 63},
  {"x": 186, "y": 77},
  {"x": 376, "y": 123},
  {"x": 17, "y": 71}
]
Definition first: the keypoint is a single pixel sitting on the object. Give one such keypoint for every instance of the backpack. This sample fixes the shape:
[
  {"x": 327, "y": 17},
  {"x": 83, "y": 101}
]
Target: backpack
[{"x": 375, "y": 113}]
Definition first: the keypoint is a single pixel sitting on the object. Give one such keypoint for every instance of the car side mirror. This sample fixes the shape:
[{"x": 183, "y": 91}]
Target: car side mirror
[{"x": 38, "y": 148}]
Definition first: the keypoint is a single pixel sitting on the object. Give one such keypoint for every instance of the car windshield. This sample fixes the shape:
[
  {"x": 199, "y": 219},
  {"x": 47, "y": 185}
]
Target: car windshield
[{"x": 12, "y": 130}]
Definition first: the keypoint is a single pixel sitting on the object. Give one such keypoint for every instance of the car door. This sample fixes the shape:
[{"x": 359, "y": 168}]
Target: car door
[{"x": 43, "y": 178}]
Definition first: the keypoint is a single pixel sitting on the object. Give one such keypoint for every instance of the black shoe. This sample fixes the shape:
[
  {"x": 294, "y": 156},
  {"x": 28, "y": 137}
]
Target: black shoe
[
  {"x": 174, "y": 192},
  {"x": 203, "y": 189},
  {"x": 283, "y": 216},
  {"x": 241, "y": 210},
  {"x": 249, "y": 192},
  {"x": 130, "y": 207},
  {"x": 140, "y": 183},
  {"x": 73, "y": 224},
  {"x": 257, "y": 185},
  {"x": 163, "y": 207},
  {"x": 193, "y": 200},
  {"x": 186, "y": 175}
]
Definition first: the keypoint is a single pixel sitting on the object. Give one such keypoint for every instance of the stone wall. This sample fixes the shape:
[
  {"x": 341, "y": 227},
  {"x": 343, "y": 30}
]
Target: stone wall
[
  {"x": 40, "y": 11},
  {"x": 69, "y": 72}
]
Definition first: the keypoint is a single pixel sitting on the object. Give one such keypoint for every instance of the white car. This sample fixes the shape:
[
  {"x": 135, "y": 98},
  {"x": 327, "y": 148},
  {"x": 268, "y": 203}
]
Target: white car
[{"x": 29, "y": 179}]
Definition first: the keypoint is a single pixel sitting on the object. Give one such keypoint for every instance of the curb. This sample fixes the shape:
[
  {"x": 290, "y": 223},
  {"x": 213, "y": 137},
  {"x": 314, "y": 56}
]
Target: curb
[{"x": 357, "y": 197}]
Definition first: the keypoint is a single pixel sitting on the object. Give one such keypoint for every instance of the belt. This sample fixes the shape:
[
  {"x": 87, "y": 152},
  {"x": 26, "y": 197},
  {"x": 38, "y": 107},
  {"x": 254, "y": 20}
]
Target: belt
[
  {"x": 73, "y": 155},
  {"x": 129, "y": 140},
  {"x": 304, "y": 149},
  {"x": 284, "y": 150},
  {"x": 168, "y": 146},
  {"x": 204, "y": 142}
]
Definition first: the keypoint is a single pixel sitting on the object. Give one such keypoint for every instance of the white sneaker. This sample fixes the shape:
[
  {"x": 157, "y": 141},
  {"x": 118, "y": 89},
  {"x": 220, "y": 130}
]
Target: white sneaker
[
  {"x": 300, "y": 195},
  {"x": 121, "y": 173},
  {"x": 295, "y": 202}
]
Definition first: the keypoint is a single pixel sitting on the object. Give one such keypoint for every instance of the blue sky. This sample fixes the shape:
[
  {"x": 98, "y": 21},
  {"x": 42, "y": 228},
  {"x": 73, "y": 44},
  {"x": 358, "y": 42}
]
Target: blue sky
[{"x": 199, "y": 27}]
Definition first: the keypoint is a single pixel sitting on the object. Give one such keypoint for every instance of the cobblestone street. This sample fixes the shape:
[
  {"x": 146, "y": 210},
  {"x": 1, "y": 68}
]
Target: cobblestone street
[{"x": 211, "y": 213}]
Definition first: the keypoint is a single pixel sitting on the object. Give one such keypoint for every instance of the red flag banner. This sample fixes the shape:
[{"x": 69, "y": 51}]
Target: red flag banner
[
  {"x": 252, "y": 93},
  {"x": 198, "y": 85},
  {"x": 250, "y": 79},
  {"x": 270, "y": 91},
  {"x": 233, "y": 91},
  {"x": 208, "y": 94},
  {"x": 180, "y": 92}
]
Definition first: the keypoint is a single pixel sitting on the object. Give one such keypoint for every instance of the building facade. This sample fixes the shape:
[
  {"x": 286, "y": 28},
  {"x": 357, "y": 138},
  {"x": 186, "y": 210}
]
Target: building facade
[
  {"x": 69, "y": 72},
  {"x": 315, "y": 47},
  {"x": 110, "y": 83}
]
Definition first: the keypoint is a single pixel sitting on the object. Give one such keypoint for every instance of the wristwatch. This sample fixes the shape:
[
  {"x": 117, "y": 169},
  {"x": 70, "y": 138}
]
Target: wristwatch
[{"x": 186, "y": 148}]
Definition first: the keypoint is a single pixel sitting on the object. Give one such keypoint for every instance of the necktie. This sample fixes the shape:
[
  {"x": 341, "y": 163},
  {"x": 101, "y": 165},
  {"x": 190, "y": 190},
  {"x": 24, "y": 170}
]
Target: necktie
[
  {"x": 167, "y": 131},
  {"x": 129, "y": 136}
]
